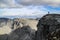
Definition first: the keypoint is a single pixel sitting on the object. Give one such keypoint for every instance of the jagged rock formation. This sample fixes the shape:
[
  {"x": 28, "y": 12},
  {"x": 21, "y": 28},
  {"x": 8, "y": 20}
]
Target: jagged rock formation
[
  {"x": 48, "y": 25},
  {"x": 16, "y": 24},
  {"x": 20, "y": 22},
  {"x": 24, "y": 33},
  {"x": 48, "y": 29},
  {"x": 5, "y": 25},
  {"x": 15, "y": 29},
  {"x": 3, "y": 21}
]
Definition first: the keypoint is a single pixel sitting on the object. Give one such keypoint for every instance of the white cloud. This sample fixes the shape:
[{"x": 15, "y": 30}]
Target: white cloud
[
  {"x": 39, "y": 2},
  {"x": 23, "y": 12},
  {"x": 21, "y": 3},
  {"x": 9, "y": 4},
  {"x": 3, "y": 5}
]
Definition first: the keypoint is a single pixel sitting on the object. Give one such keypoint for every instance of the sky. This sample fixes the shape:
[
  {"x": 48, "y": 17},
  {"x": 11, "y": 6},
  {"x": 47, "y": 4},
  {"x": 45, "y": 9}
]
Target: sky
[{"x": 29, "y": 7}]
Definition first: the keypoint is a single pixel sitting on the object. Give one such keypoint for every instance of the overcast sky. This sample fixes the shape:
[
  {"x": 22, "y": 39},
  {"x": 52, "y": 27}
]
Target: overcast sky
[{"x": 29, "y": 7}]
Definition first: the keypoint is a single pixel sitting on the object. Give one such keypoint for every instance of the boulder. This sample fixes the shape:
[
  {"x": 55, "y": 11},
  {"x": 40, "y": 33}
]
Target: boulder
[{"x": 47, "y": 25}]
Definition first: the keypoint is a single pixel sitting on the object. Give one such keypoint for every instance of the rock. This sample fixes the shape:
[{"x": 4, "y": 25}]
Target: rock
[
  {"x": 11, "y": 29},
  {"x": 5, "y": 26},
  {"x": 24, "y": 33},
  {"x": 16, "y": 25},
  {"x": 46, "y": 25},
  {"x": 3, "y": 21},
  {"x": 3, "y": 37}
]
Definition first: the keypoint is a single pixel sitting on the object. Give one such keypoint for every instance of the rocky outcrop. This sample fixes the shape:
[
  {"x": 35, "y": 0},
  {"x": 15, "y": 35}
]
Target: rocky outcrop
[
  {"x": 7, "y": 25},
  {"x": 47, "y": 26},
  {"x": 4, "y": 37},
  {"x": 15, "y": 29},
  {"x": 3, "y": 21},
  {"x": 24, "y": 33},
  {"x": 48, "y": 29}
]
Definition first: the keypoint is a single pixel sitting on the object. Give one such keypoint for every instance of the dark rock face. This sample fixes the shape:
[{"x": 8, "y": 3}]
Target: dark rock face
[
  {"x": 3, "y": 21},
  {"x": 47, "y": 26},
  {"x": 55, "y": 35},
  {"x": 48, "y": 29},
  {"x": 16, "y": 23},
  {"x": 24, "y": 33},
  {"x": 3, "y": 37}
]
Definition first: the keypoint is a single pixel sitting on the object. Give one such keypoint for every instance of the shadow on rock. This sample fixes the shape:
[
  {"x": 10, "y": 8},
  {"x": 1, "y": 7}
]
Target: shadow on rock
[
  {"x": 24, "y": 33},
  {"x": 4, "y": 37}
]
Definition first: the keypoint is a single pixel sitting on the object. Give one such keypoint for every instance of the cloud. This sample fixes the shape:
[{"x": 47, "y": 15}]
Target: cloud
[
  {"x": 39, "y": 2},
  {"x": 26, "y": 11},
  {"x": 9, "y": 4},
  {"x": 22, "y": 3}
]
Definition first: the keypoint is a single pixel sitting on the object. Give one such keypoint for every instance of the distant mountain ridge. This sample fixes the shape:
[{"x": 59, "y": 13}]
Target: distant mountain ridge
[
  {"x": 12, "y": 17},
  {"x": 12, "y": 24}
]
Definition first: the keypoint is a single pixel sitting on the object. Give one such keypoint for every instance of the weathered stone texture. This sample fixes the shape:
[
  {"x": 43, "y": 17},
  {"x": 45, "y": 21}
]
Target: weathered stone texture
[{"x": 47, "y": 25}]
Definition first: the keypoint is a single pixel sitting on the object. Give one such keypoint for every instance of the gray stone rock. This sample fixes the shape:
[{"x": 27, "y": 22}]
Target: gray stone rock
[
  {"x": 47, "y": 25},
  {"x": 3, "y": 37},
  {"x": 24, "y": 33}
]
